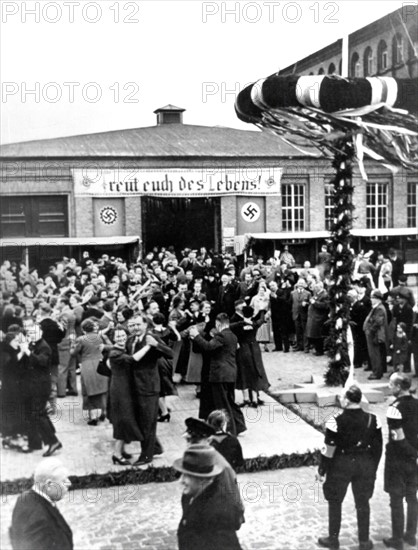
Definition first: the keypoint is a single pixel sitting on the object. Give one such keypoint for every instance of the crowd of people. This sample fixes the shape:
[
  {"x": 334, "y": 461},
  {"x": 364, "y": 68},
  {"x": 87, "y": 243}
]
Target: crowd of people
[{"x": 134, "y": 332}]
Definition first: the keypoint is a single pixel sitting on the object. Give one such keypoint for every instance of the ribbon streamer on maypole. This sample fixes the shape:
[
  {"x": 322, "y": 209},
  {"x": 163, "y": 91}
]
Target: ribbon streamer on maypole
[{"x": 347, "y": 120}]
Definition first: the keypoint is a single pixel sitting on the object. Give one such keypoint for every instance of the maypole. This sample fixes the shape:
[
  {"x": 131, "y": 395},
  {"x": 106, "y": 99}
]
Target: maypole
[{"x": 345, "y": 119}]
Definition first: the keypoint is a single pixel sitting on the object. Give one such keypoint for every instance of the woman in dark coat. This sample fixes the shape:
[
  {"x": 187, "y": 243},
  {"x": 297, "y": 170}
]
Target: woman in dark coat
[
  {"x": 122, "y": 410},
  {"x": 11, "y": 389},
  {"x": 251, "y": 375}
]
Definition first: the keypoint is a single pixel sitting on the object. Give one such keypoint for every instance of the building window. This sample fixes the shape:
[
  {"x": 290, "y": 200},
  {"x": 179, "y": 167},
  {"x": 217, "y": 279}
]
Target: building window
[
  {"x": 377, "y": 206},
  {"x": 355, "y": 65},
  {"x": 331, "y": 69},
  {"x": 382, "y": 56},
  {"x": 36, "y": 216},
  {"x": 368, "y": 62},
  {"x": 329, "y": 205},
  {"x": 412, "y": 205},
  {"x": 293, "y": 207},
  {"x": 397, "y": 49},
  {"x": 321, "y": 71}
]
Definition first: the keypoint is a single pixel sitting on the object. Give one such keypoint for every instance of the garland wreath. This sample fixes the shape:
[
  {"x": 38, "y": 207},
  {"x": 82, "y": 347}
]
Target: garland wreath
[
  {"x": 134, "y": 476},
  {"x": 345, "y": 119}
]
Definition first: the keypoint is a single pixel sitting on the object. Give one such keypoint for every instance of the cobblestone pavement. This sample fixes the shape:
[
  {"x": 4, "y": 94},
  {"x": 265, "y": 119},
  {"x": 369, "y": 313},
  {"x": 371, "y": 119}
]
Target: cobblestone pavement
[{"x": 285, "y": 510}]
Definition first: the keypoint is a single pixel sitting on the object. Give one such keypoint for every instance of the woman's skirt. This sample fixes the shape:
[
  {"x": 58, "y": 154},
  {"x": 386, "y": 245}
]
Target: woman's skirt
[
  {"x": 263, "y": 333},
  {"x": 194, "y": 367}
]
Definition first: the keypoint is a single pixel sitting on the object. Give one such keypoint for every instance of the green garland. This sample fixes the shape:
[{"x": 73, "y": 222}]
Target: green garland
[
  {"x": 134, "y": 476},
  {"x": 341, "y": 264}
]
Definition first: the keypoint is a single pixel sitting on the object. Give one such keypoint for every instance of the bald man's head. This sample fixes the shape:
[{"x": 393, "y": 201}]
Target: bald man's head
[{"x": 51, "y": 477}]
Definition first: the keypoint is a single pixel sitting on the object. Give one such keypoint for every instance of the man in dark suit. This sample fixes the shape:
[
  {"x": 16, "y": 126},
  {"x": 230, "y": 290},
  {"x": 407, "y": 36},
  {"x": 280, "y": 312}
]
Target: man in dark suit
[
  {"x": 221, "y": 352},
  {"x": 300, "y": 303},
  {"x": 376, "y": 329},
  {"x": 35, "y": 360},
  {"x": 37, "y": 524},
  {"x": 146, "y": 385}
]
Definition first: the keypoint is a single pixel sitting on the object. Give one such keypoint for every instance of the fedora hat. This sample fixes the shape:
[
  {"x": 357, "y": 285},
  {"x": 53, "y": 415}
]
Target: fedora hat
[{"x": 198, "y": 461}]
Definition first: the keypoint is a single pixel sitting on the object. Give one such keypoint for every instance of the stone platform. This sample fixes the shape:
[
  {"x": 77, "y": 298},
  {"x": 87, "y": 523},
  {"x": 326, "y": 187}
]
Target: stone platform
[{"x": 315, "y": 391}]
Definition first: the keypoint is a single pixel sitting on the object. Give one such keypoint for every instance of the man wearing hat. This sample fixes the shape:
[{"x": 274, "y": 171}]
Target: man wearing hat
[
  {"x": 375, "y": 327},
  {"x": 211, "y": 515},
  {"x": 351, "y": 454},
  {"x": 199, "y": 432},
  {"x": 300, "y": 303}
]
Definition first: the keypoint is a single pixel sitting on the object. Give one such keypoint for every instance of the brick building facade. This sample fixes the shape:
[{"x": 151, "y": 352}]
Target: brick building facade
[{"x": 62, "y": 195}]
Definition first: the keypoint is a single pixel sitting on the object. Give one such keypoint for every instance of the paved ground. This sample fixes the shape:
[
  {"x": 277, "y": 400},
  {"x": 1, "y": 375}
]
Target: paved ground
[
  {"x": 88, "y": 449},
  {"x": 285, "y": 510}
]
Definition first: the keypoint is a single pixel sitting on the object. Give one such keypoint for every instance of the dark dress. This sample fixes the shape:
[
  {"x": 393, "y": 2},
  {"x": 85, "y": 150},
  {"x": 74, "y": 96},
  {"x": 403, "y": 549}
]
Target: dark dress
[
  {"x": 165, "y": 364},
  {"x": 122, "y": 408},
  {"x": 251, "y": 374},
  {"x": 11, "y": 392},
  {"x": 229, "y": 447}
]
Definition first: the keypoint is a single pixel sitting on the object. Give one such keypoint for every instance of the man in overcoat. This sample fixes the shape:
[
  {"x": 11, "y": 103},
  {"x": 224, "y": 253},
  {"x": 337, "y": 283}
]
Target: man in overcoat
[
  {"x": 37, "y": 524},
  {"x": 211, "y": 515},
  {"x": 146, "y": 385},
  {"x": 300, "y": 303},
  {"x": 376, "y": 329}
]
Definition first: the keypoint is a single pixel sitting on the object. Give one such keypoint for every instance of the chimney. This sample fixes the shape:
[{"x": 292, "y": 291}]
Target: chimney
[{"x": 170, "y": 114}]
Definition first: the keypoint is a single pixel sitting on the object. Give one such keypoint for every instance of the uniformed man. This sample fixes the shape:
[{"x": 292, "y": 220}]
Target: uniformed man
[
  {"x": 401, "y": 478},
  {"x": 352, "y": 451}
]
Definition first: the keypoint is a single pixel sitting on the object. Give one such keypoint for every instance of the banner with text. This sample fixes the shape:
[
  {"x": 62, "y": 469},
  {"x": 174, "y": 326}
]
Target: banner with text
[{"x": 178, "y": 182}]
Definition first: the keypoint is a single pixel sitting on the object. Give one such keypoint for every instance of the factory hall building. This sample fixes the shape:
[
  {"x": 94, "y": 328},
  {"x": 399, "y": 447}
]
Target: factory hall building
[{"x": 124, "y": 192}]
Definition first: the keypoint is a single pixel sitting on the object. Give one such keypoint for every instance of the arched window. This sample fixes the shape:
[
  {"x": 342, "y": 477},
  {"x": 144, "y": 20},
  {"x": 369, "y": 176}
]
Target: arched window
[
  {"x": 397, "y": 49},
  {"x": 331, "y": 68},
  {"x": 368, "y": 62},
  {"x": 311, "y": 74},
  {"x": 321, "y": 71},
  {"x": 355, "y": 65},
  {"x": 382, "y": 56}
]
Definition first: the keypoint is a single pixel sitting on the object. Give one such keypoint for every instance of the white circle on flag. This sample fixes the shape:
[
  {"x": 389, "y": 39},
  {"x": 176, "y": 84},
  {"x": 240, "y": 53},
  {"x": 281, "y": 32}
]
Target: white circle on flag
[{"x": 250, "y": 212}]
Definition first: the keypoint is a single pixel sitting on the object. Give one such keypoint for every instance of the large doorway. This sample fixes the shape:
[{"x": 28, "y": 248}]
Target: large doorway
[{"x": 181, "y": 223}]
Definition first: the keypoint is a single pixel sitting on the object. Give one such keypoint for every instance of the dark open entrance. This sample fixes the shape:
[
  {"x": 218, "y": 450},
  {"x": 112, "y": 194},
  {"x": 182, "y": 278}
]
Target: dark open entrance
[{"x": 180, "y": 222}]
